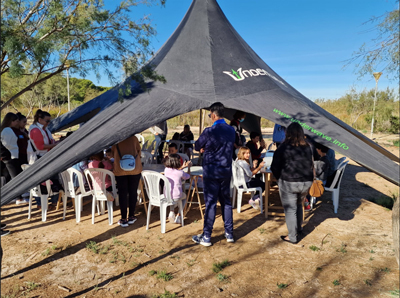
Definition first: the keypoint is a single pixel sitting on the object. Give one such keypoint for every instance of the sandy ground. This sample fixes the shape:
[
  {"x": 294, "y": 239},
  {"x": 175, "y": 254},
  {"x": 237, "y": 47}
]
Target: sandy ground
[{"x": 348, "y": 254}]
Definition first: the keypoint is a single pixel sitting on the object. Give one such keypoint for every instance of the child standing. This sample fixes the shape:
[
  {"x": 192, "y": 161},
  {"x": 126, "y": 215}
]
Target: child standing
[
  {"x": 243, "y": 161},
  {"x": 173, "y": 171}
]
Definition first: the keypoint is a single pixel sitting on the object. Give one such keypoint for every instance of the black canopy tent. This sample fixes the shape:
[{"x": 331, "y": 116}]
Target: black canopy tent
[{"x": 204, "y": 61}]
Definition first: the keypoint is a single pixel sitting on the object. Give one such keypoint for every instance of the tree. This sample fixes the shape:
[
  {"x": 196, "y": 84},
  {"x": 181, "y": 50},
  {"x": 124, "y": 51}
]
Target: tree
[
  {"x": 382, "y": 53},
  {"x": 51, "y": 35}
]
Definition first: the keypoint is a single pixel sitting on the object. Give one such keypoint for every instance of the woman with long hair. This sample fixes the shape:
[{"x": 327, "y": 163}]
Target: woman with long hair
[
  {"x": 292, "y": 166},
  {"x": 127, "y": 181},
  {"x": 42, "y": 142},
  {"x": 243, "y": 160},
  {"x": 11, "y": 138},
  {"x": 41, "y": 137}
]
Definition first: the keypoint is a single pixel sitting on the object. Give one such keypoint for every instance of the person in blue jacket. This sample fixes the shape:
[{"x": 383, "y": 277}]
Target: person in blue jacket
[{"x": 216, "y": 144}]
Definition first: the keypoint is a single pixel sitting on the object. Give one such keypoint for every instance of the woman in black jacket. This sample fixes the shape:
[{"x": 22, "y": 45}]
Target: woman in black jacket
[{"x": 292, "y": 165}]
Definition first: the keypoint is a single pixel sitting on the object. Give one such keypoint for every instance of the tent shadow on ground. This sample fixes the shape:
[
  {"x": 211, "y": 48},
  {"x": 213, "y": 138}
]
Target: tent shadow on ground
[
  {"x": 347, "y": 206},
  {"x": 242, "y": 230}
]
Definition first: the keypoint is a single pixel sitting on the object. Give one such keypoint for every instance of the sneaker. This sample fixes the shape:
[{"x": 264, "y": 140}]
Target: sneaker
[
  {"x": 229, "y": 238},
  {"x": 307, "y": 208},
  {"x": 177, "y": 219},
  {"x": 123, "y": 223},
  {"x": 201, "y": 239},
  {"x": 171, "y": 216},
  {"x": 252, "y": 203},
  {"x": 4, "y": 232},
  {"x": 22, "y": 201},
  {"x": 3, "y": 226},
  {"x": 132, "y": 219}
]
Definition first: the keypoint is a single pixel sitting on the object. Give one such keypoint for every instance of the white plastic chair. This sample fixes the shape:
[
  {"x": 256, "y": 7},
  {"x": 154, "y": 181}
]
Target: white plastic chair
[
  {"x": 335, "y": 190},
  {"x": 240, "y": 187},
  {"x": 100, "y": 192},
  {"x": 44, "y": 198},
  {"x": 146, "y": 157},
  {"x": 180, "y": 146},
  {"x": 156, "y": 198},
  {"x": 184, "y": 156},
  {"x": 140, "y": 138},
  {"x": 339, "y": 162},
  {"x": 144, "y": 146},
  {"x": 69, "y": 190}
]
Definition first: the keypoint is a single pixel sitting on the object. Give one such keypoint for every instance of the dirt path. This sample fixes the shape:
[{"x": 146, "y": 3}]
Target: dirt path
[{"x": 348, "y": 254}]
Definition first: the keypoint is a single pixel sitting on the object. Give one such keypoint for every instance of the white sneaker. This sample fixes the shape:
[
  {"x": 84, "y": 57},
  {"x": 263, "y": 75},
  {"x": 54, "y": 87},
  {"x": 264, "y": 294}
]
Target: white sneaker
[
  {"x": 256, "y": 200},
  {"x": 22, "y": 201},
  {"x": 177, "y": 220},
  {"x": 171, "y": 216}
]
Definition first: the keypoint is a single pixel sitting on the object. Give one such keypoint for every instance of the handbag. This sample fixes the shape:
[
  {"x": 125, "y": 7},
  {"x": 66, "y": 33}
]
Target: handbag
[
  {"x": 126, "y": 162},
  {"x": 317, "y": 187}
]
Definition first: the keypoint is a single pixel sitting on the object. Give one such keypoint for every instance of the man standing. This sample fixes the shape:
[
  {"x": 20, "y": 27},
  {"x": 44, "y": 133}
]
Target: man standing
[{"x": 216, "y": 144}]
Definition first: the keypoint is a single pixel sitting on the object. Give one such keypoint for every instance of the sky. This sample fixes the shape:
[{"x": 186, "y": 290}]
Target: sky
[{"x": 306, "y": 42}]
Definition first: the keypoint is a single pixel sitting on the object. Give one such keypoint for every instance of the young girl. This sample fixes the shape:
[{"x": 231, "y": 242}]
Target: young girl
[
  {"x": 243, "y": 161},
  {"x": 99, "y": 162},
  {"x": 175, "y": 175}
]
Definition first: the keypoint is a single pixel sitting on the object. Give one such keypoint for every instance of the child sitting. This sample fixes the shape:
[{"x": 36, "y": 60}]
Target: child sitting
[
  {"x": 243, "y": 161},
  {"x": 99, "y": 162},
  {"x": 173, "y": 171}
]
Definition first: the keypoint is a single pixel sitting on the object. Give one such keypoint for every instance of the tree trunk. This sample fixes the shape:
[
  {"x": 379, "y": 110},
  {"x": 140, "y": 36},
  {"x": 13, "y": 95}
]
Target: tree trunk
[{"x": 395, "y": 228}]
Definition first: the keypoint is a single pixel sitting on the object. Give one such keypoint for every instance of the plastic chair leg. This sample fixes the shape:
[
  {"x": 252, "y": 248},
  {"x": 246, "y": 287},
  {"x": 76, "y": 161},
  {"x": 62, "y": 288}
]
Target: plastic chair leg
[
  {"x": 78, "y": 203},
  {"x": 233, "y": 197},
  {"x": 30, "y": 206},
  {"x": 335, "y": 199},
  {"x": 110, "y": 212},
  {"x": 181, "y": 212},
  {"x": 44, "y": 202},
  {"x": 163, "y": 217},
  {"x": 148, "y": 216},
  {"x": 239, "y": 201},
  {"x": 312, "y": 202},
  {"x": 261, "y": 201},
  {"x": 102, "y": 207},
  {"x": 64, "y": 198},
  {"x": 95, "y": 202}
]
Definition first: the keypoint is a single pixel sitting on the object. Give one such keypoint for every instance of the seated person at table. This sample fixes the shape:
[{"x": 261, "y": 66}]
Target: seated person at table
[
  {"x": 253, "y": 146},
  {"x": 173, "y": 149},
  {"x": 322, "y": 165},
  {"x": 175, "y": 137},
  {"x": 187, "y": 136},
  {"x": 173, "y": 171},
  {"x": 99, "y": 162},
  {"x": 243, "y": 161}
]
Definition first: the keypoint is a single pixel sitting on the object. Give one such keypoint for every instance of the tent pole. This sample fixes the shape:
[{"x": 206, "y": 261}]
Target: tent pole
[{"x": 201, "y": 122}]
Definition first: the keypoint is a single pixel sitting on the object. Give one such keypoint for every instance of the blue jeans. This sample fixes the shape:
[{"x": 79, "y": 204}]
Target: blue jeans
[
  {"x": 53, "y": 200},
  {"x": 292, "y": 195},
  {"x": 214, "y": 190}
]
